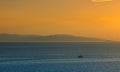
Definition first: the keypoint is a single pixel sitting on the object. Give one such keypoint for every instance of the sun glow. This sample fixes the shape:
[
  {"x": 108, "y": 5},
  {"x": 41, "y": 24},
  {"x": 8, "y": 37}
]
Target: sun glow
[
  {"x": 94, "y": 18},
  {"x": 100, "y": 0}
]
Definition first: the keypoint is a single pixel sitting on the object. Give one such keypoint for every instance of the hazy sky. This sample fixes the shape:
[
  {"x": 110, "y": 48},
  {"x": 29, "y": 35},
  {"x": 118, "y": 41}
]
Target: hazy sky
[{"x": 94, "y": 18}]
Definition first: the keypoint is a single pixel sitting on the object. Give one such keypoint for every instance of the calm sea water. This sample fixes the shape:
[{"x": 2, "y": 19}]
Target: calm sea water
[{"x": 59, "y": 57}]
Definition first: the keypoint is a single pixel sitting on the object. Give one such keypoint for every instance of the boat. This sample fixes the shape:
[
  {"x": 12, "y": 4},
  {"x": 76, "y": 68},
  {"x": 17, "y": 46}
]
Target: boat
[{"x": 80, "y": 56}]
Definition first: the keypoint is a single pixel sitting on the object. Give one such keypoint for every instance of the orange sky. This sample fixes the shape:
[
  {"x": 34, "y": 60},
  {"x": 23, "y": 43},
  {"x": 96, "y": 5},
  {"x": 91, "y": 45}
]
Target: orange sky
[{"x": 97, "y": 18}]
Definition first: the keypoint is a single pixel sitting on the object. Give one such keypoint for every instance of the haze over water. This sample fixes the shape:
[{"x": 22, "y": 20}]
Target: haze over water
[
  {"x": 60, "y": 57},
  {"x": 59, "y": 35}
]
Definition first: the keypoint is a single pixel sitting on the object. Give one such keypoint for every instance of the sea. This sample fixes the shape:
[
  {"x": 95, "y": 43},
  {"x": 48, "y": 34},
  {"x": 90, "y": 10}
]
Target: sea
[{"x": 59, "y": 57}]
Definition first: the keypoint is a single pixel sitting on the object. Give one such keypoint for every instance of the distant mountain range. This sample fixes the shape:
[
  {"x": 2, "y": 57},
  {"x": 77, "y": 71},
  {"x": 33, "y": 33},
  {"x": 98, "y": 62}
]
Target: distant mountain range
[{"x": 49, "y": 38}]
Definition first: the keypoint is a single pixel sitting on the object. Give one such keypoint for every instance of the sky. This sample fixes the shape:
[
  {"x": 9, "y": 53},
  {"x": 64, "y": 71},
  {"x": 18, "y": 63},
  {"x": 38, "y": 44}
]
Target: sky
[{"x": 90, "y": 18}]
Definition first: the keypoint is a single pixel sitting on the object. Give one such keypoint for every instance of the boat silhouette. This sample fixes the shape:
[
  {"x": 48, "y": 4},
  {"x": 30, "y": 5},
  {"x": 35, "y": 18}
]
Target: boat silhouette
[{"x": 80, "y": 56}]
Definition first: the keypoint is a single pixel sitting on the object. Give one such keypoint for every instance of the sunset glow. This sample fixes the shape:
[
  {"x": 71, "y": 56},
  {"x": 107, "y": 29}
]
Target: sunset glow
[
  {"x": 76, "y": 17},
  {"x": 100, "y": 0}
]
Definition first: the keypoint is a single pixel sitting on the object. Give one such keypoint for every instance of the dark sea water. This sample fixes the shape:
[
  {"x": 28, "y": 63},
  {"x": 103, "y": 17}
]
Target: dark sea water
[{"x": 60, "y": 57}]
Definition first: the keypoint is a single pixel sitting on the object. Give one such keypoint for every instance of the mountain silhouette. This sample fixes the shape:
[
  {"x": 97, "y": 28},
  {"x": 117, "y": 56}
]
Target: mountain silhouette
[{"x": 49, "y": 38}]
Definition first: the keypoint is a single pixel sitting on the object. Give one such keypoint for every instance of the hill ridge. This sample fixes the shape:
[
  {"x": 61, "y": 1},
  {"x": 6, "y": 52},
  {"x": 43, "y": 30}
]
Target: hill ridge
[{"x": 48, "y": 38}]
